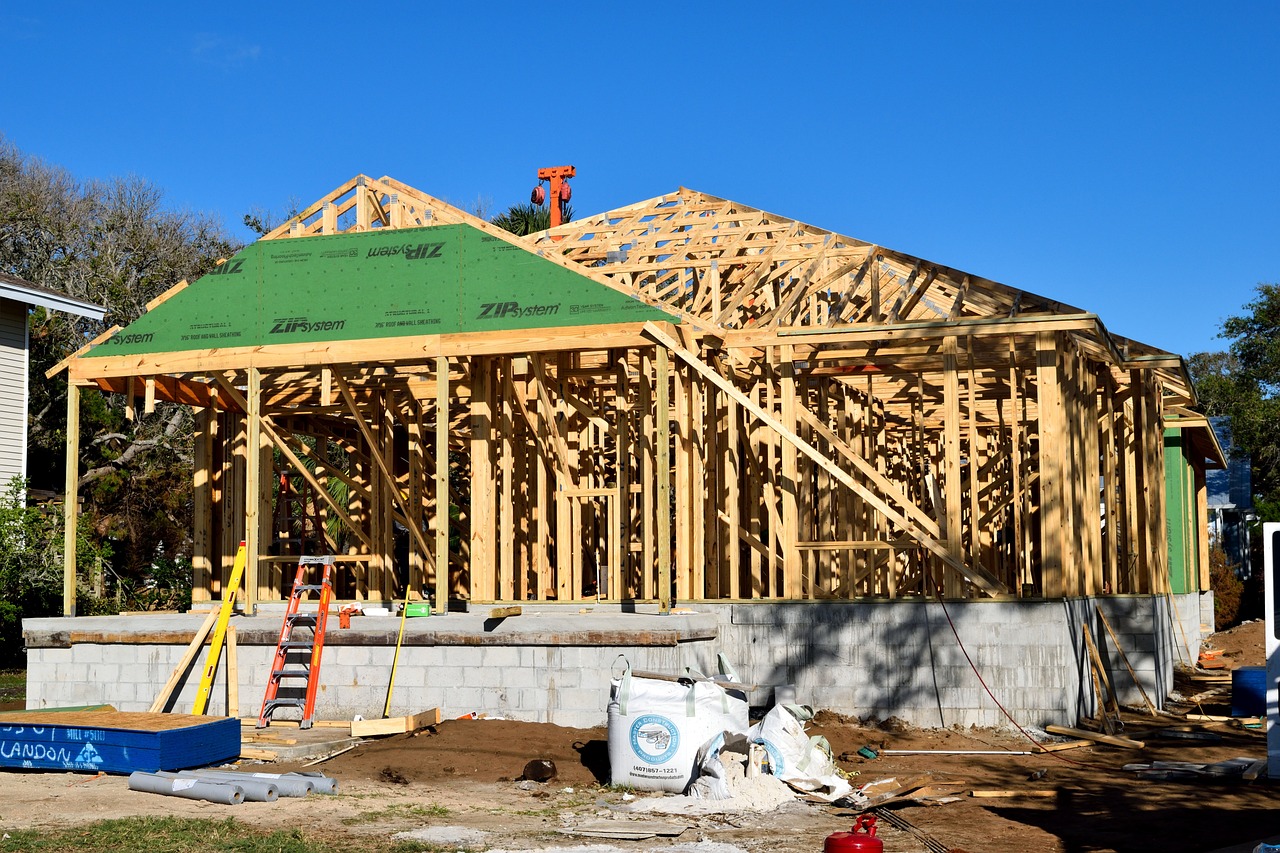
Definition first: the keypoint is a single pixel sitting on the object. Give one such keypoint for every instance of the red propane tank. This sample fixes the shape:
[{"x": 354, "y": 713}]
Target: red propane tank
[{"x": 855, "y": 841}]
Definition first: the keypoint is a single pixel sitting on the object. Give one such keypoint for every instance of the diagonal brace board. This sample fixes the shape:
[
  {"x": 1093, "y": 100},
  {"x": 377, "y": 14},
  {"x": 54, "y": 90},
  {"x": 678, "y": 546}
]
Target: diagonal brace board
[
  {"x": 976, "y": 576},
  {"x": 350, "y": 400},
  {"x": 266, "y": 424}
]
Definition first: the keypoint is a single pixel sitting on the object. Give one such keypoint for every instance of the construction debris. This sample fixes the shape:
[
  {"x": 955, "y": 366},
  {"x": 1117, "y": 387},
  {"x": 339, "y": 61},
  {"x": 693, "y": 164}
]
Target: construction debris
[{"x": 395, "y": 725}]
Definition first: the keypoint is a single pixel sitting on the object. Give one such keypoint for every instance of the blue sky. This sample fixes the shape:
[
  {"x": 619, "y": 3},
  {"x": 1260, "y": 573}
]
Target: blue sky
[{"x": 1120, "y": 157}]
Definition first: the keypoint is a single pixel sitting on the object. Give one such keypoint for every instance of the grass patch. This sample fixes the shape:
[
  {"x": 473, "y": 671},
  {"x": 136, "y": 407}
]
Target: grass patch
[
  {"x": 189, "y": 835},
  {"x": 400, "y": 811},
  {"x": 13, "y": 685}
]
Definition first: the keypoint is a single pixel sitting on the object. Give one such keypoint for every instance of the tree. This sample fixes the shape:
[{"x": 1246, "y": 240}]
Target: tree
[
  {"x": 114, "y": 243},
  {"x": 1244, "y": 384},
  {"x": 525, "y": 219}
]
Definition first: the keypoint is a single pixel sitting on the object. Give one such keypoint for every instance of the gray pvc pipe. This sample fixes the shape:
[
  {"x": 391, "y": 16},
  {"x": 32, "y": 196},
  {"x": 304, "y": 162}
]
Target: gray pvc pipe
[
  {"x": 189, "y": 789},
  {"x": 321, "y": 783},
  {"x": 286, "y": 786},
  {"x": 255, "y": 790}
]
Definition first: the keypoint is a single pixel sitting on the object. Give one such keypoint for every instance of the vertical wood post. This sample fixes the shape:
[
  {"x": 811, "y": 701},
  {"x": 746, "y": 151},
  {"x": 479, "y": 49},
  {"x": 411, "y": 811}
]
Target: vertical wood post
[
  {"x": 507, "y": 503},
  {"x": 792, "y": 576},
  {"x": 648, "y": 497},
  {"x": 202, "y": 505},
  {"x": 71, "y": 501},
  {"x": 441, "y": 522},
  {"x": 663, "y": 453},
  {"x": 953, "y": 586},
  {"x": 483, "y": 490},
  {"x": 1049, "y": 400},
  {"x": 252, "y": 490}
]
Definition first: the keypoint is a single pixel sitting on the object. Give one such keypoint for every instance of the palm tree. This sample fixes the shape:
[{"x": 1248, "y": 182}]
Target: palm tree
[{"x": 525, "y": 219}]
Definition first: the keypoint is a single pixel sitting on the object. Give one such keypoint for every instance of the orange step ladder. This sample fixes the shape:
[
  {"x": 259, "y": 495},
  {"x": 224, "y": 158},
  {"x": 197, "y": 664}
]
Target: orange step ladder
[{"x": 298, "y": 658}]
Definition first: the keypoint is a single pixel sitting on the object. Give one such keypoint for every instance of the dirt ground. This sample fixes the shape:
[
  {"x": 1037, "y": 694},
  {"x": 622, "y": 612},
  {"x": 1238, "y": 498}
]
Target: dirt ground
[{"x": 462, "y": 782}]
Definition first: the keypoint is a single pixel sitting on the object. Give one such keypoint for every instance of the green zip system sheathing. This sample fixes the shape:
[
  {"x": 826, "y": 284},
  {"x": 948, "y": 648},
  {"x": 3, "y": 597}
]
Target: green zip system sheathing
[
  {"x": 1182, "y": 522},
  {"x": 380, "y": 284}
]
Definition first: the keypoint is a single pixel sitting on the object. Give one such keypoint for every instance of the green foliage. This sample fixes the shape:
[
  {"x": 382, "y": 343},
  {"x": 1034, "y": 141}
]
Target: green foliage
[
  {"x": 31, "y": 544},
  {"x": 113, "y": 243},
  {"x": 525, "y": 219},
  {"x": 1227, "y": 590},
  {"x": 1244, "y": 384},
  {"x": 193, "y": 835},
  {"x": 13, "y": 687}
]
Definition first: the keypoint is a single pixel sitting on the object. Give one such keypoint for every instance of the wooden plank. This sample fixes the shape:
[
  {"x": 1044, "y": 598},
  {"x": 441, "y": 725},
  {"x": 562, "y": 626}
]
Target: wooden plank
[
  {"x": 441, "y": 491},
  {"x": 1059, "y": 747},
  {"x": 193, "y": 649},
  {"x": 663, "y": 469},
  {"x": 233, "y": 674},
  {"x": 1053, "y": 535},
  {"x": 71, "y": 501},
  {"x": 792, "y": 579},
  {"x": 1106, "y": 694},
  {"x": 1038, "y": 793},
  {"x": 504, "y": 612},
  {"x": 505, "y": 588},
  {"x": 408, "y": 349},
  {"x": 1084, "y": 734},
  {"x": 953, "y": 533},
  {"x": 253, "y": 488},
  {"x": 395, "y": 725},
  {"x": 1219, "y": 718}
]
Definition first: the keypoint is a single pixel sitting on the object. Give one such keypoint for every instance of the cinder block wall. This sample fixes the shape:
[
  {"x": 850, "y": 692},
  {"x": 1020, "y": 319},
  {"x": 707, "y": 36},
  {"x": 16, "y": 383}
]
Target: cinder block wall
[
  {"x": 864, "y": 658},
  {"x": 882, "y": 659}
]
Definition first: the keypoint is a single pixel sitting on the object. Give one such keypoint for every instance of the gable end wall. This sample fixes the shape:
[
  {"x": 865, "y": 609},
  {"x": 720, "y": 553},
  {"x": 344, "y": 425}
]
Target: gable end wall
[{"x": 13, "y": 390}]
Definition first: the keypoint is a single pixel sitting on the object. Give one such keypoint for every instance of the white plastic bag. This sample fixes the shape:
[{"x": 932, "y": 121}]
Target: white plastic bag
[
  {"x": 805, "y": 763},
  {"x": 656, "y": 727}
]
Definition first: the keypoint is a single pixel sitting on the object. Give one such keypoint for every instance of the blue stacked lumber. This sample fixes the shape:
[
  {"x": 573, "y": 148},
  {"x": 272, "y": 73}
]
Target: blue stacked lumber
[{"x": 116, "y": 741}]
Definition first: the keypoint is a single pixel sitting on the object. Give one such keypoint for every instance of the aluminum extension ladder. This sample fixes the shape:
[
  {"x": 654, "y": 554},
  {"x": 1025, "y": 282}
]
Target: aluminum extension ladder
[{"x": 299, "y": 657}]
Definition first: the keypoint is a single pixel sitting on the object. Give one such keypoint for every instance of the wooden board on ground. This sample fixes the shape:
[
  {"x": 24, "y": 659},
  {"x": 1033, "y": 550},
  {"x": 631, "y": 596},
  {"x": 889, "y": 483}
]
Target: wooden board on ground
[
  {"x": 1111, "y": 740},
  {"x": 504, "y": 612},
  {"x": 1042, "y": 793},
  {"x": 257, "y": 754},
  {"x": 394, "y": 725},
  {"x": 252, "y": 722},
  {"x": 1218, "y": 718},
  {"x": 1058, "y": 747}
]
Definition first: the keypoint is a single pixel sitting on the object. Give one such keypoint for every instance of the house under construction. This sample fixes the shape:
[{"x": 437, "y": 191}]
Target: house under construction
[{"x": 682, "y": 404}]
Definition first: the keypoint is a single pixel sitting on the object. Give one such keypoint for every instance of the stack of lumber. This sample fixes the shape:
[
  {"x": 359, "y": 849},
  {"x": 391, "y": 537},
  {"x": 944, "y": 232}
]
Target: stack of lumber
[{"x": 115, "y": 741}]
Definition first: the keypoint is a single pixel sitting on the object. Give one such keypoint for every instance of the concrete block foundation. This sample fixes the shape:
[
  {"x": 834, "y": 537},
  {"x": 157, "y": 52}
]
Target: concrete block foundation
[{"x": 870, "y": 659}]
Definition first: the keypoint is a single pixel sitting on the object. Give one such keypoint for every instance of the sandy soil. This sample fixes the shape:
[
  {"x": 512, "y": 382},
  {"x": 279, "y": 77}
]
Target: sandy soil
[{"x": 465, "y": 774}]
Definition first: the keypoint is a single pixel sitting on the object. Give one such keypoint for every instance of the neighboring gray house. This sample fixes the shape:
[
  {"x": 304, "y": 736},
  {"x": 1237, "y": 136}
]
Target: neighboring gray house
[
  {"x": 1230, "y": 501},
  {"x": 16, "y": 298}
]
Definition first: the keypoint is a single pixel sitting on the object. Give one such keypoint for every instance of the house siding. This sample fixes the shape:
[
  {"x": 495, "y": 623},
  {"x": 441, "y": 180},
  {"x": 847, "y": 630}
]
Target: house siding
[{"x": 13, "y": 390}]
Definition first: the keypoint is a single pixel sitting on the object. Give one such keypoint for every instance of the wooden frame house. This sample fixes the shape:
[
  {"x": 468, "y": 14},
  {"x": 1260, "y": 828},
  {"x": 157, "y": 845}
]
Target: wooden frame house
[{"x": 684, "y": 399}]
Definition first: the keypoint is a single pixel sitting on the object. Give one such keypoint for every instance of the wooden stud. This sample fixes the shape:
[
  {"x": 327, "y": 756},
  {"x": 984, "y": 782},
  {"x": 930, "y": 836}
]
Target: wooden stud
[
  {"x": 441, "y": 490},
  {"x": 71, "y": 501},
  {"x": 663, "y": 468}
]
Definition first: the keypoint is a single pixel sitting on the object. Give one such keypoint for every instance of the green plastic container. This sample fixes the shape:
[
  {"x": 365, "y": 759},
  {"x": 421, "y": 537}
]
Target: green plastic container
[{"x": 417, "y": 608}]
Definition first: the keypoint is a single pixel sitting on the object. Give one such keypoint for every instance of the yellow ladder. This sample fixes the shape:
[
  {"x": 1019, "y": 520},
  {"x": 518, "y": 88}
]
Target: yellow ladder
[{"x": 220, "y": 630}]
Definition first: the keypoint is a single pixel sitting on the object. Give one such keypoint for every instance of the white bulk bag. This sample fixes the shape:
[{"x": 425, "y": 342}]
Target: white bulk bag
[
  {"x": 657, "y": 727},
  {"x": 805, "y": 763}
]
